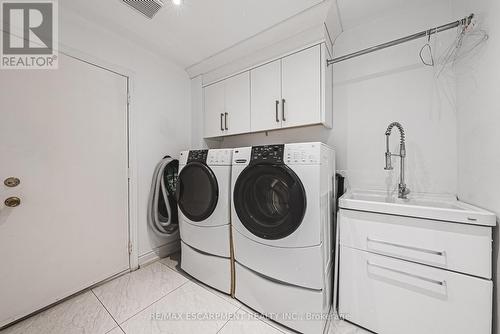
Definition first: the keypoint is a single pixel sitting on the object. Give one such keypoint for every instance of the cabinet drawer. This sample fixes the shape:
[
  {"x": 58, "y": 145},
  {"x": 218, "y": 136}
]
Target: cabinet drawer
[
  {"x": 303, "y": 310},
  {"x": 458, "y": 247},
  {"x": 213, "y": 271},
  {"x": 391, "y": 296}
]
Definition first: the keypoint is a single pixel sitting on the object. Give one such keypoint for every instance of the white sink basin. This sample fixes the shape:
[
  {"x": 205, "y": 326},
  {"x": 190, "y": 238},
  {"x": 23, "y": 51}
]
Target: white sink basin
[{"x": 438, "y": 207}]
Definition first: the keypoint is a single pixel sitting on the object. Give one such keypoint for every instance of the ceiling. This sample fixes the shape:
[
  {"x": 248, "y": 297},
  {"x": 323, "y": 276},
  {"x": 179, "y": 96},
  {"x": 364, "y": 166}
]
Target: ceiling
[
  {"x": 200, "y": 34},
  {"x": 357, "y": 12},
  {"x": 194, "y": 31}
]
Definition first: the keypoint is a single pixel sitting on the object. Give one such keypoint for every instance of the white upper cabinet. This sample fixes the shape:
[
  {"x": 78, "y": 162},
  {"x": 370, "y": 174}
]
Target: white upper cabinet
[
  {"x": 214, "y": 96},
  {"x": 266, "y": 97},
  {"x": 227, "y": 106},
  {"x": 301, "y": 88},
  {"x": 292, "y": 91},
  {"x": 237, "y": 114}
]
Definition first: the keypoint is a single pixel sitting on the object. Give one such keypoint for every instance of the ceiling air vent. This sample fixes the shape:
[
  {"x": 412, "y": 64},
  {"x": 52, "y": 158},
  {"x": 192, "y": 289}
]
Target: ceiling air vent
[{"x": 147, "y": 7}]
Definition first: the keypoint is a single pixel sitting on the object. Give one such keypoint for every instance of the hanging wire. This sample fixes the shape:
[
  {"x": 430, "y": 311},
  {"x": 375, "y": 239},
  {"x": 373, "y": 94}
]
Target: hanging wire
[{"x": 467, "y": 39}]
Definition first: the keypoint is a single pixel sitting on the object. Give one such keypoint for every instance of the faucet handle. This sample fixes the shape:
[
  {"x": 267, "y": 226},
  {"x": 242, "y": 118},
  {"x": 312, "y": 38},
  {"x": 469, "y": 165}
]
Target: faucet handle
[{"x": 388, "y": 162}]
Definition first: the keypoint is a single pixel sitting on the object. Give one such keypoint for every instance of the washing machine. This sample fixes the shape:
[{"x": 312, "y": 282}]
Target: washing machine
[
  {"x": 203, "y": 199},
  {"x": 282, "y": 220}
]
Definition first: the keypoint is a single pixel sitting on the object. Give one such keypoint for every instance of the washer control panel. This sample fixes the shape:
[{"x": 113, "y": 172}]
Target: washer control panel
[
  {"x": 198, "y": 156},
  {"x": 268, "y": 153},
  {"x": 303, "y": 154},
  {"x": 220, "y": 157}
]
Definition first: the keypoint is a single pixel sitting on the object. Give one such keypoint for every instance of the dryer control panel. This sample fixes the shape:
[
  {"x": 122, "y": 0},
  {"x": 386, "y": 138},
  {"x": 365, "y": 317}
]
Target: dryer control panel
[{"x": 267, "y": 153}]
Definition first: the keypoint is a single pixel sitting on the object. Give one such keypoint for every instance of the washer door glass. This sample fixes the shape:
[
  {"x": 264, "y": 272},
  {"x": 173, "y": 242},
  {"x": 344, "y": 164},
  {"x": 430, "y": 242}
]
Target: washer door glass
[
  {"x": 270, "y": 200},
  {"x": 197, "y": 191}
]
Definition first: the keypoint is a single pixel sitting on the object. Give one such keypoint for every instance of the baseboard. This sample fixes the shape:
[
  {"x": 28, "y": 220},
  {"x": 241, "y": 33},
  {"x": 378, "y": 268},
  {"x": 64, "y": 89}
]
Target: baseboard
[{"x": 159, "y": 252}]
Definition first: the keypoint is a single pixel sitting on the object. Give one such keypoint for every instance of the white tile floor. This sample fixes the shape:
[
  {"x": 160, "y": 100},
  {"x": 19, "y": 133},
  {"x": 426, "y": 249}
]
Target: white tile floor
[{"x": 138, "y": 302}]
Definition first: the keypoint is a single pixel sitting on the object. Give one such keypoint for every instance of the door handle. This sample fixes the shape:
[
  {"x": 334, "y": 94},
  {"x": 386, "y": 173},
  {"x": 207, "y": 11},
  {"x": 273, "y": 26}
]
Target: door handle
[
  {"x": 221, "y": 120},
  {"x": 225, "y": 121},
  {"x": 12, "y": 202},
  {"x": 283, "y": 110},
  {"x": 277, "y": 107}
]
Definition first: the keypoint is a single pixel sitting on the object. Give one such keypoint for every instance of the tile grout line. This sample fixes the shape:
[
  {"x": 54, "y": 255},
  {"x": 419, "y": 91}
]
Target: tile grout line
[
  {"x": 201, "y": 285},
  {"x": 124, "y": 321},
  {"x": 239, "y": 308},
  {"x": 206, "y": 288},
  {"x": 166, "y": 265},
  {"x": 106, "y": 309},
  {"x": 119, "y": 324},
  {"x": 270, "y": 323}
]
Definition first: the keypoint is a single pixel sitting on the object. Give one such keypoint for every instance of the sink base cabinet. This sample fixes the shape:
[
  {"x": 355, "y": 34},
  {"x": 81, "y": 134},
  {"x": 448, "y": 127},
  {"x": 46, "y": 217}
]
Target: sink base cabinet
[
  {"x": 391, "y": 296},
  {"x": 407, "y": 275},
  {"x": 457, "y": 247}
]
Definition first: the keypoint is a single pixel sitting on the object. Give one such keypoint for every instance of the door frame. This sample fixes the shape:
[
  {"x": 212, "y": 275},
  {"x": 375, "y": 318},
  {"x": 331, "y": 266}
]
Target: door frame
[{"x": 129, "y": 75}]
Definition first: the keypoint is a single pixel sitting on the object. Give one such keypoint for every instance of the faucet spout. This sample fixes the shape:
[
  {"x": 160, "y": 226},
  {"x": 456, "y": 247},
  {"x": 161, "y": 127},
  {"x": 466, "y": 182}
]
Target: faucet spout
[{"x": 403, "y": 191}]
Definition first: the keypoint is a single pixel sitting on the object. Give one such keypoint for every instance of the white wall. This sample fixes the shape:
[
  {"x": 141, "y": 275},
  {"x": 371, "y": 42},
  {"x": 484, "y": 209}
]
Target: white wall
[
  {"x": 197, "y": 125},
  {"x": 478, "y": 92},
  {"x": 376, "y": 89},
  {"x": 161, "y": 102}
]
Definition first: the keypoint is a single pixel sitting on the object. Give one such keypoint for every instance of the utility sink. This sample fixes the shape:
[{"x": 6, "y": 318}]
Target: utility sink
[{"x": 437, "y": 207}]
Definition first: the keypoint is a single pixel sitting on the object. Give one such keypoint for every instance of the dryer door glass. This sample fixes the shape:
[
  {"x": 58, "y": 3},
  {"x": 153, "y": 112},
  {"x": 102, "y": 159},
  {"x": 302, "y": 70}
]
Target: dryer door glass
[
  {"x": 197, "y": 191},
  {"x": 270, "y": 200}
]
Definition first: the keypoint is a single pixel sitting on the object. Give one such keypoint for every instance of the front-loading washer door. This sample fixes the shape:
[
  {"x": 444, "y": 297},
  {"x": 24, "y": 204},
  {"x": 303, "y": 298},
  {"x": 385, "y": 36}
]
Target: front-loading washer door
[
  {"x": 270, "y": 200},
  {"x": 197, "y": 191}
]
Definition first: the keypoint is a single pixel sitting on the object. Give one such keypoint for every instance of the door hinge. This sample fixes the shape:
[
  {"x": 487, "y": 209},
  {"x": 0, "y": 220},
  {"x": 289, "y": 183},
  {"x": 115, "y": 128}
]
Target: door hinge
[
  {"x": 128, "y": 99},
  {"x": 129, "y": 247}
]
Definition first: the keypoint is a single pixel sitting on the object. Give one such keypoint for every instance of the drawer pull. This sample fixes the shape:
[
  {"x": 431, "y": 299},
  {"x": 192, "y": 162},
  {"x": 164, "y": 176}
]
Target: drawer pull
[
  {"x": 426, "y": 279},
  {"x": 423, "y": 250}
]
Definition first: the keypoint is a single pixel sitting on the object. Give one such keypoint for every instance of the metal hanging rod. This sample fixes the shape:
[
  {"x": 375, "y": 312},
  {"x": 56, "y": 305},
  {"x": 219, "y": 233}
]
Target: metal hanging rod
[{"x": 464, "y": 22}]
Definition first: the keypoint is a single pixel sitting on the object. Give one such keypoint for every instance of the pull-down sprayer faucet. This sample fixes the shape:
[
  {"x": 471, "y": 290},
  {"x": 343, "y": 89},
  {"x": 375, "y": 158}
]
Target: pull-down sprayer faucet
[{"x": 403, "y": 191}]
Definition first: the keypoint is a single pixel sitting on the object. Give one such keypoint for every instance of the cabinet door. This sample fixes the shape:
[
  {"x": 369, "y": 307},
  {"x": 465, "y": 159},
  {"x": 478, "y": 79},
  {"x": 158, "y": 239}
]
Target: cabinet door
[
  {"x": 214, "y": 96},
  {"x": 301, "y": 88},
  {"x": 266, "y": 97},
  {"x": 237, "y": 113}
]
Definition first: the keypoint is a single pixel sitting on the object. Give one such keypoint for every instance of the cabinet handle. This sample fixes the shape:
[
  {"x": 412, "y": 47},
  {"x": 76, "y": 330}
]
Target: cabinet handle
[
  {"x": 426, "y": 279},
  {"x": 225, "y": 120},
  {"x": 221, "y": 120},
  {"x": 423, "y": 250},
  {"x": 277, "y": 116},
  {"x": 283, "y": 110}
]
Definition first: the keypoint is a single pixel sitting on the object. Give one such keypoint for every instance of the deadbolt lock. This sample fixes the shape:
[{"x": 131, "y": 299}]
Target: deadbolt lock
[
  {"x": 12, "y": 182},
  {"x": 12, "y": 202}
]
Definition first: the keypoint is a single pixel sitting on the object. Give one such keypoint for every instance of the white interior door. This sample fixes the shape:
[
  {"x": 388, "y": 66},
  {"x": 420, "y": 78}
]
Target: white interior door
[
  {"x": 266, "y": 96},
  {"x": 63, "y": 134}
]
